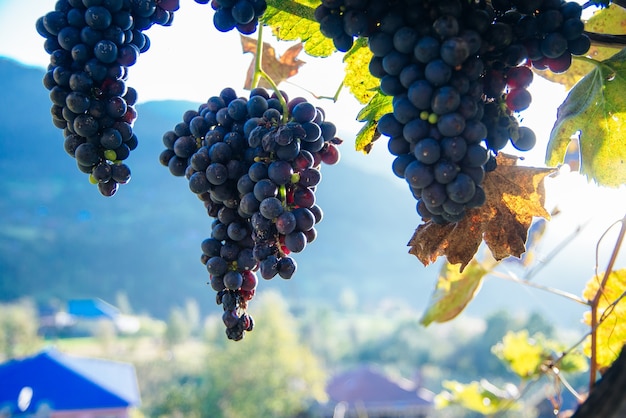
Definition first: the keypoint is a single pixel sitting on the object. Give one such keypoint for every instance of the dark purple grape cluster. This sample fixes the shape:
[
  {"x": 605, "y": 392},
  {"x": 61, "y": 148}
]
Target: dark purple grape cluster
[
  {"x": 91, "y": 45},
  {"x": 255, "y": 163},
  {"x": 458, "y": 73},
  {"x": 242, "y": 15},
  {"x": 546, "y": 33},
  {"x": 342, "y": 21}
]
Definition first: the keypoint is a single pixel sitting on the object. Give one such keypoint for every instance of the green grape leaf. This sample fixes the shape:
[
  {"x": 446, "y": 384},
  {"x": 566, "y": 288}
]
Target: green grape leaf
[
  {"x": 573, "y": 362},
  {"x": 595, "y": 107},
  {"x": 358, "y": 79},
  {"x": 482, "y": 397},
  {"x": 528, "y": 356},
  {"x": 371, "y": 113},
  {"x": 611, "y": 333},
  {"x": 523, "y": 354},
  {"x": 454, "y": 290},
  {"x": 293, "y": 20}
]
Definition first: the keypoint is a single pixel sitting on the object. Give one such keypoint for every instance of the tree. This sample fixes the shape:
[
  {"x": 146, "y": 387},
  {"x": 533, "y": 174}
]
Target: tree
[
  {"x": 18, "y": 329},
  {"x": 270, "y": 374},
  {"x": 178, "y": 328}
]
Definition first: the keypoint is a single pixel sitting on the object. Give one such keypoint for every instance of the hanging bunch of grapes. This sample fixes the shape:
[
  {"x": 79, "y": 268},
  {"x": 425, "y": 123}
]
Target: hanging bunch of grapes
[{"x": 458, "y": 73}]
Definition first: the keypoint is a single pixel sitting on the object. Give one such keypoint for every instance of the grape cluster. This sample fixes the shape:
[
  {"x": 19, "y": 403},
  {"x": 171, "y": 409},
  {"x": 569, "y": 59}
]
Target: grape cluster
[
  {"x": 255, "y": 163},
  {"x": 342, "y": 21},
  {"x": 458, "y": 73},
  {"x": 91, "y": 45},
  {"x": 240, "y": 14}
]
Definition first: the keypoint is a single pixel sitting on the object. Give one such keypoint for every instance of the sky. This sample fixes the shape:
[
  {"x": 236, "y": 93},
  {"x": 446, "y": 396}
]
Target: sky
[{"x": 192, "y": 61}]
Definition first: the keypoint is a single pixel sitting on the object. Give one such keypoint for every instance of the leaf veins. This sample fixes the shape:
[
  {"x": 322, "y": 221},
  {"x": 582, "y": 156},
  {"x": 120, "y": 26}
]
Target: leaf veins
[{"x": 515, "y": 194}]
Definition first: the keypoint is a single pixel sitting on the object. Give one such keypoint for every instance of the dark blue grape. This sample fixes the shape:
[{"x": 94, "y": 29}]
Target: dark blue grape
[
  {"x": 434, "y": 195},
  {"x": 271, "y": 207},
  {"x": 217, "y": 266},
  {"x": 461, "y": 189},
  {"x": 418, "y": 175},
  {"x": 295, "y": 241},
  {"x": 445, "y": 171},
  {"x": 426, "y": 49},
  {"x": 280, "y": 172},
  {"x": 453, "y": 148},
  {"x": 427, "y": 151},
  {"x": 286, "y": 267}
]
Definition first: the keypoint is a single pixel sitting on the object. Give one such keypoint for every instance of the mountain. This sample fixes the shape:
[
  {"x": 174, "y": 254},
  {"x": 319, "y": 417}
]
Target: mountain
[{"x": 60, "y": 239}]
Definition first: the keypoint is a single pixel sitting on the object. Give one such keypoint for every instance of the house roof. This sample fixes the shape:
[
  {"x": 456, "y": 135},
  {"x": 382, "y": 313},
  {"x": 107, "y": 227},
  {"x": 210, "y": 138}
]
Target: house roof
[
  {"x": 64, "y": 382},
  {"x": 369, "y": 388},
  {"x": 92, "y": 308}
]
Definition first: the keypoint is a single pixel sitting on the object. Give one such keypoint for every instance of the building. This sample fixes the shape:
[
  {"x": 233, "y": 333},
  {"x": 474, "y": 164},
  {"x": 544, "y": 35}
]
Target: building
[
  {"x": 56, "y": 385},
  {"x": 83, "y": 318},
  {"x": 367, "y": 392}
]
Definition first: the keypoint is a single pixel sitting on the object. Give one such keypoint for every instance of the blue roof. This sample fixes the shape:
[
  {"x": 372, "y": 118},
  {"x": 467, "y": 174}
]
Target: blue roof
[
  {"x": 92, "y": 308},
  {"x": 64, "y": 382}
]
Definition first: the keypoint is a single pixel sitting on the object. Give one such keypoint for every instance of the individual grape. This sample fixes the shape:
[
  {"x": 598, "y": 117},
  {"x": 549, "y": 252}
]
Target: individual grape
[
  {"x": 518, "y": 99},
  {"x": 445, "y": 171},
  {"x": 427, "y": 151},
  {"x": 233, "y": 280},
  {"x": 519, "y": 77},
  {"x": 526, "y": 139},
  {"x": 287, "y": 267},
  {"x": 295, "y": 241},
  {"x": 461, "y": 189}
]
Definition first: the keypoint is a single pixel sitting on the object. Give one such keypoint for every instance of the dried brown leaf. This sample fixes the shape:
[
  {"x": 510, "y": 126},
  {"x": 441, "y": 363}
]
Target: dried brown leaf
[
  {"x": 515, "y": 194},
  {"x": 278, "y": 69}
]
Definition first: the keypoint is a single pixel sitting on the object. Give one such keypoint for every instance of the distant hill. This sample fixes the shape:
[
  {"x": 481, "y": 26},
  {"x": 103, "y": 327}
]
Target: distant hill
[{"x": 59, "y": 238}]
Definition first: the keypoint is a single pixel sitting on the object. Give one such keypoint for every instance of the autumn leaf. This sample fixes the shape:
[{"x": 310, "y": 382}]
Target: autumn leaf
[
  {"x": 454, "y": 291},
  {"x": 278, "y": 69},
  {"x": 611, "y": 333},
  {"x": 515, "y": 194}
]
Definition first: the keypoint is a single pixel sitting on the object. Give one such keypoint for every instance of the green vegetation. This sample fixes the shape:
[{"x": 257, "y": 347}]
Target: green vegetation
[{"x": 280, "y": 370}]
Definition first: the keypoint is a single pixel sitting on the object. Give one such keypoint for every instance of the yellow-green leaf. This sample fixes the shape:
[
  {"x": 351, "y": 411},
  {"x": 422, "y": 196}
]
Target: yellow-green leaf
[
  {"x": 454, "y": 291},
  {"x": 523, "y": 354},
  {"x": 371, "y": 113},
  {"x": 358, "y": 79},
  {"x": 293, "y": 20},
  {"x": 611, "y": 334},
  {"x": 609, "y": 20},
  {"x": 596, "y": 108},
  {"x": 482, "y": 397}
]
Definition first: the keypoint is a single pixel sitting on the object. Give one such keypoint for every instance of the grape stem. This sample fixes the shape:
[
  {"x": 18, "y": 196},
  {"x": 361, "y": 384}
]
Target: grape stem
[
  {"x": 605, "y": 39},
  {"x": 593, "y": 369},
  {"x": 512, "y": 277},
  {"x": 334, "y": 98},
  {"x": 610, "y": 71},
  {"x": 258, "y": 72}
]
